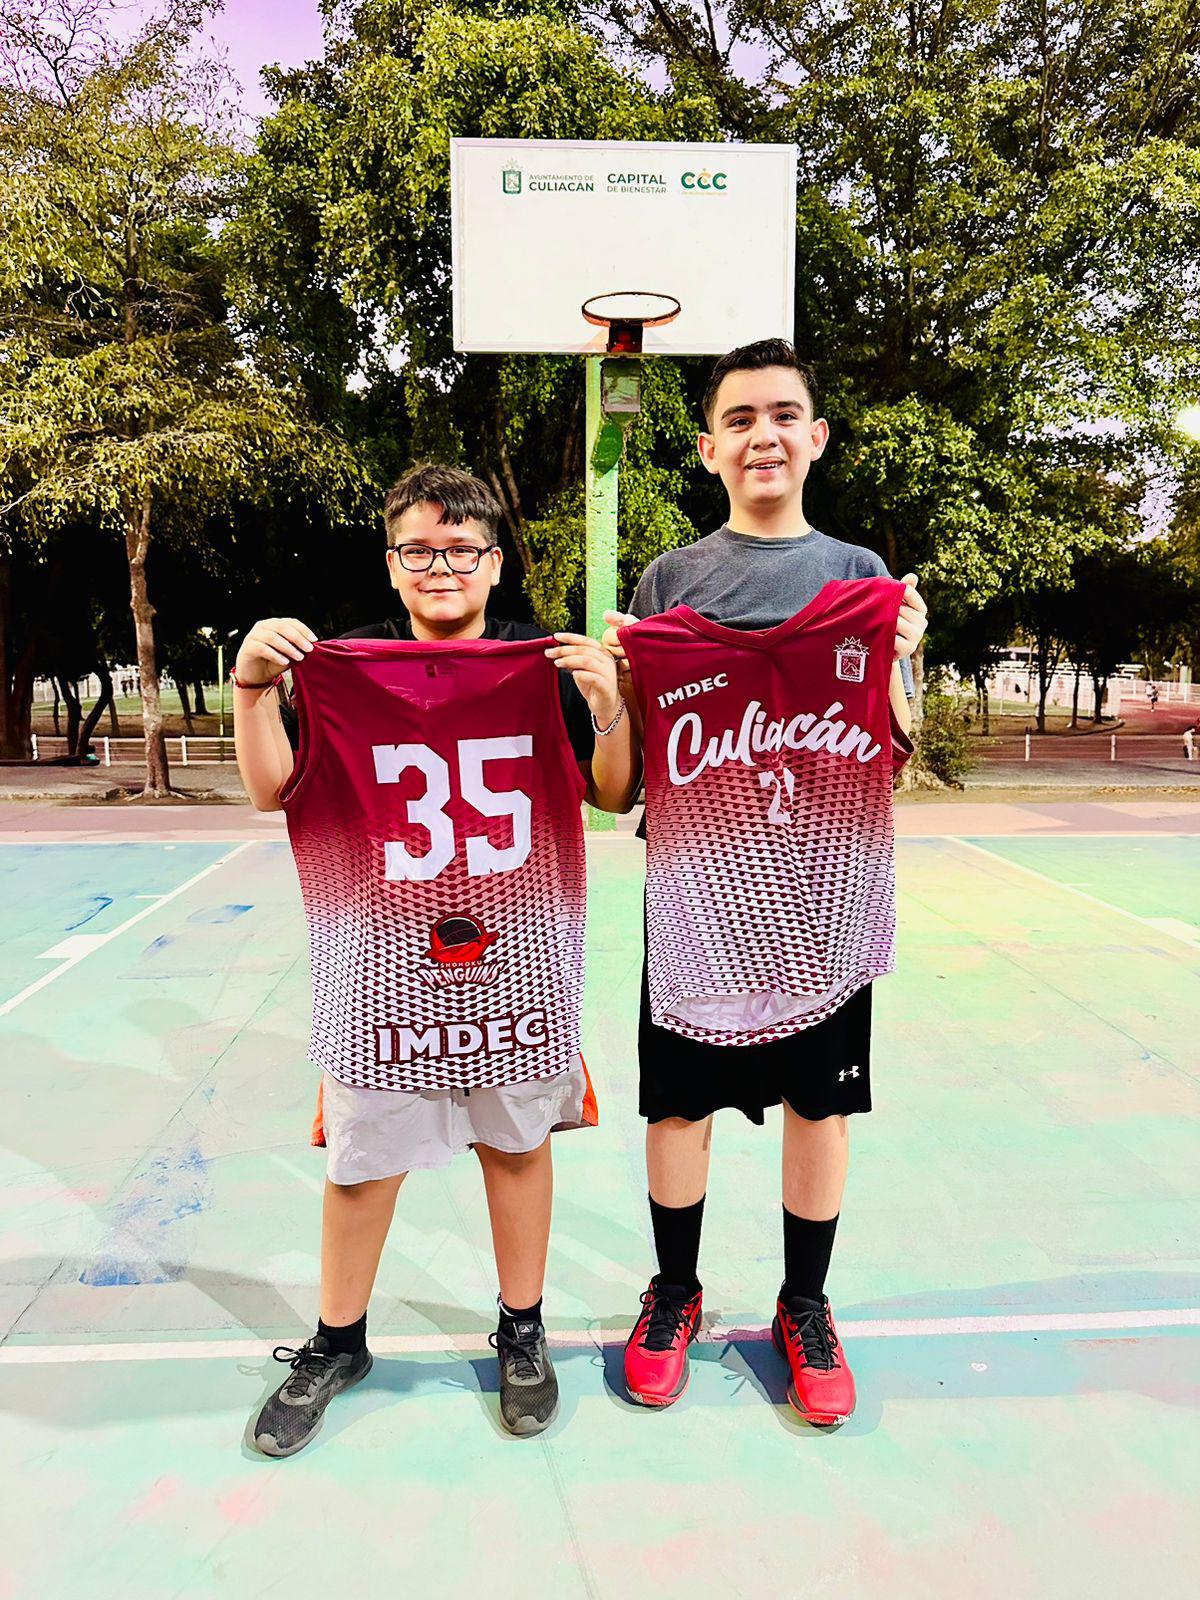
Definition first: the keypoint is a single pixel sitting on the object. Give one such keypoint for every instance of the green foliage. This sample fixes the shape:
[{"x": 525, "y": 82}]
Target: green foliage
[
  {"x": 997, "y": 225},
  {"x": 555, "y": 578},
  {"x": 348, "y": 190},
  {"x": 176, "y": 418},
  {"x": 998, "y": 222},
  {"x": 121, "y": 384},
  {"x": 128, "y": 403},
  {"x": 942, "y": 747}
]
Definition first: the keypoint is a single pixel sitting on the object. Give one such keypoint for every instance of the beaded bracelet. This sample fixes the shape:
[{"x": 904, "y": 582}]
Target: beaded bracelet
[
  {"x": 601, "y": 732},
  {"x": 238, "y": 684}
]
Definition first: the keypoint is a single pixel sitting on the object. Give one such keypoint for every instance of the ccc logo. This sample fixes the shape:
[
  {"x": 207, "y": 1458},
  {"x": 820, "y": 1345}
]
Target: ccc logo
[{"x": 704, "y": 180}]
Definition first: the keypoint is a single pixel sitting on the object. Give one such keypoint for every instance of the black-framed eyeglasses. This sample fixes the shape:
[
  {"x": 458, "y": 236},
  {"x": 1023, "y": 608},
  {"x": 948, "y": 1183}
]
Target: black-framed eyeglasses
[{"x": 458, "y": 558}]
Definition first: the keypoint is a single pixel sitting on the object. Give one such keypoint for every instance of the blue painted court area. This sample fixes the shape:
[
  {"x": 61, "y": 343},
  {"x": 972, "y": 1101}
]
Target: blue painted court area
[
  {"x": 53, "y": 893},
  {"x": 1017, "y": 1274}
]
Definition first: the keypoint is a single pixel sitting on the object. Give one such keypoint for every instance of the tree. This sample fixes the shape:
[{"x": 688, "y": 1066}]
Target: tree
[
  {"x": 124, "y": 393},
  {"x": 343, "y": 240},
  {"x": 1181, "y": 544},
  {"x": 996, "y": 253},
  {"x": 973, "y": 643}
]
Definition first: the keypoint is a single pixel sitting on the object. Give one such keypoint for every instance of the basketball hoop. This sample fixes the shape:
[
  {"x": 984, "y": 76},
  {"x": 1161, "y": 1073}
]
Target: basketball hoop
[{"x": 625, "y": 313}]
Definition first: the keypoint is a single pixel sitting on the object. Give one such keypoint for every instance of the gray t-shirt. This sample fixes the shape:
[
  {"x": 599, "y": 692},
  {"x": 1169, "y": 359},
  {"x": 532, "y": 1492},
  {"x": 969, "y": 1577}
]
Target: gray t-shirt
[{"x": 746, "y": 581}]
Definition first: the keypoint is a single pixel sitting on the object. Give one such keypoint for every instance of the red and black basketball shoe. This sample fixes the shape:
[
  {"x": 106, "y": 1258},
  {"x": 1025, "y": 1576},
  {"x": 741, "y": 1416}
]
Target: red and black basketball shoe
[
  {"x": 656, "y": 1353},
  {"x": 822, "y": 1386}
]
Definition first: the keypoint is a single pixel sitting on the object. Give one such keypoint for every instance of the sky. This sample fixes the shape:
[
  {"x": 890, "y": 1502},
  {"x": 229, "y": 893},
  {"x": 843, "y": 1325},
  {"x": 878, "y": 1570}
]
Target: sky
[
  {"x": 251, "y": 34},
  {"x": 256, "y": 32}
]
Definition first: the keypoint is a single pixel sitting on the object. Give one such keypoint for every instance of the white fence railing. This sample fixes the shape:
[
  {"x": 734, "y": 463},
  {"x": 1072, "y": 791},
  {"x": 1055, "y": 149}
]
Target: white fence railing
[
  {"x": 126, "y": 684},
  {"x": 185, "y": 749},
  {"x": 1015, "y": 691},
  {"x": 1064, "y": 751}
]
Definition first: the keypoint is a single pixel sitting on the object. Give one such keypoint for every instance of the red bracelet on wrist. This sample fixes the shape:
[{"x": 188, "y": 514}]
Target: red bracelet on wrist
[{"x": 238, "y": 684}]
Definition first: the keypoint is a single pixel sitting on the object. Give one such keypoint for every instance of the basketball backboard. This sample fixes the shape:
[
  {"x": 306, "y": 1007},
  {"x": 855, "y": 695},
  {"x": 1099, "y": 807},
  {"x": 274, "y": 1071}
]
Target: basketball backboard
[{"x": 540, "y": 226}]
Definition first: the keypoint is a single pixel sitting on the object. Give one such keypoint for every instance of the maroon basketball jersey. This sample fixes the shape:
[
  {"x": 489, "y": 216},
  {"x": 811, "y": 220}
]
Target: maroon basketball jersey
[
  {"x": 769, "y": 762},
  {"x": 434, "y": 813}
]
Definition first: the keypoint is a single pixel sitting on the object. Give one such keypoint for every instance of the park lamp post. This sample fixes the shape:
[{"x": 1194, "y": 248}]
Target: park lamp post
[
  {"x": 1188, "y": 424},
  {"x": 210, "y": 634}
]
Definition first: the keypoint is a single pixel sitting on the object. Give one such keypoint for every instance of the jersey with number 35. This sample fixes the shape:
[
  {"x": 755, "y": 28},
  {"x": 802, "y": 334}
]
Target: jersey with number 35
[{"x": 434, "y": 815}]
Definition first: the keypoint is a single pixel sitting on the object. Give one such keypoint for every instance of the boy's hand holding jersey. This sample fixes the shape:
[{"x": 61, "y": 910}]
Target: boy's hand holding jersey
[
  {"x": 270, "y": 648},
  {"x": 594, "y": 670}
]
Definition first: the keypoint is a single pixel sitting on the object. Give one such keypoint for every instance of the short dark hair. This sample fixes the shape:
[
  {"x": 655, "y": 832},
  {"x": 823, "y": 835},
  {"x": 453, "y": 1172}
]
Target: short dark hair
[
  {"x": 752, "y": 358},
  {"x": 462, "y": 497}
]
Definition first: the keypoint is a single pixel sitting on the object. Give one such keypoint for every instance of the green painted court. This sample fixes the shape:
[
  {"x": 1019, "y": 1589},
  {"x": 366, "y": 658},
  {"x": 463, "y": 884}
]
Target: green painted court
[{"x": 1016, "y": 1276}]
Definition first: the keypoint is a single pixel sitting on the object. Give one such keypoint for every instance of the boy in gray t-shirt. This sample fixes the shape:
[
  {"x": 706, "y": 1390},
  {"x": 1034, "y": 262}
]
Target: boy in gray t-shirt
[
  {"x": 765, "y": 565},
  {"x": 747, "y": 581}
]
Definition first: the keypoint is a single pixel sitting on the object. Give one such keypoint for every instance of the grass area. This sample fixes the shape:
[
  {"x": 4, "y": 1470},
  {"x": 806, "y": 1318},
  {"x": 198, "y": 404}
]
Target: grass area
[
  {"x": 1015, "y": 723},
  {"x": 129, "y": 716}
]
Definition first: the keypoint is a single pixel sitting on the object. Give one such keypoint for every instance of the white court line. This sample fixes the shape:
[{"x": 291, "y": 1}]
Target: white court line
[
  {"x": 1161, "y": 925},
  {"x": 97, "y": 939},
  {"x": 78, "y": 944},
  {"x": 37, "y": 1355}
]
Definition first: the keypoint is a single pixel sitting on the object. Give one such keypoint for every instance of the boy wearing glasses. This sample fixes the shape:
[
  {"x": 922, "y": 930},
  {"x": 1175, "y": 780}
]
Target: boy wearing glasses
[{"x": 443, "y": 561}]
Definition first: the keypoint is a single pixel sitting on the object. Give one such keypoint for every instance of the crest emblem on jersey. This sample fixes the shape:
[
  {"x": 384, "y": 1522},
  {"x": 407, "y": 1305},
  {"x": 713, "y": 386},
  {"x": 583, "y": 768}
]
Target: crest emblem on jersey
[
  {"x": 457, "y": 945},
  {"x": 851, "y": 661}
]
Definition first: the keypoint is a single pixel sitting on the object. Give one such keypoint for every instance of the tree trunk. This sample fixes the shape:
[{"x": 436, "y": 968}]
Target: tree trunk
[
  {"x": 510, "y": 495},
  {"x": 889, "y": 534},
  {"x": 1075, "y": 698},
  {"x": 16, "y": 681},
  {"x": 114, "y": 726},
  {"x": 137, "y": 542},
  {"x": 93, "y": 717},
  {"x": 54, "y": 710},
  {"x": 986, "y": 704},
  {"x": 70, "y": 694},
  {"x": 1099, "y": 689},
  {"x": 918, "y": 672},
  {"x": 1047, "y": 660},
  {"x": 198, "y": 697},
  {"x": 183, "y": 701},
  {"x": 570, "y": 467}
]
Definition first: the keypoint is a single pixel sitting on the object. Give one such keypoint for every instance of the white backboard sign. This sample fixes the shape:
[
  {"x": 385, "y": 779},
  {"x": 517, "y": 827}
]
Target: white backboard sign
[{"x": 541, "y": 225}]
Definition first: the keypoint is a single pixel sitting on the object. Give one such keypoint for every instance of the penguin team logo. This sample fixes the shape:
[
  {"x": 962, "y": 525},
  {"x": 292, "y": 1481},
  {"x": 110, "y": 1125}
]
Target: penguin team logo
[
  {"x": 851, "y": 661},
  {"x": 457, "y": 945}
]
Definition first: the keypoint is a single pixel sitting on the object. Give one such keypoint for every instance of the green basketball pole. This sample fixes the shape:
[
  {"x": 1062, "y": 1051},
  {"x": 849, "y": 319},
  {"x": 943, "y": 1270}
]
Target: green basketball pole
[{"x": 613, "y": 401}]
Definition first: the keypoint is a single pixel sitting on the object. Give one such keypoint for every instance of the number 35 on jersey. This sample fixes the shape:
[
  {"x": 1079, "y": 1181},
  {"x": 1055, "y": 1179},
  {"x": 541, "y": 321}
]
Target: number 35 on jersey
[
  {"x": 440, "y": 860},
  {"x": 429, "y": 811}
]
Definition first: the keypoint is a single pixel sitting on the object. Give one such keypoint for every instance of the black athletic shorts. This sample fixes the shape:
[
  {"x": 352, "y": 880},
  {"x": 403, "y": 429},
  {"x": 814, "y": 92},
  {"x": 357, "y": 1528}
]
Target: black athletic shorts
[{"x": 822, "y": 1071}]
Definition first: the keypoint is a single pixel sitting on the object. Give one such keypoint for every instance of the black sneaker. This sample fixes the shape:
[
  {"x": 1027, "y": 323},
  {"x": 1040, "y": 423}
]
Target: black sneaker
[
  {"x": 528, "y": 1387},
  {"x": 295, "y": 1411}
]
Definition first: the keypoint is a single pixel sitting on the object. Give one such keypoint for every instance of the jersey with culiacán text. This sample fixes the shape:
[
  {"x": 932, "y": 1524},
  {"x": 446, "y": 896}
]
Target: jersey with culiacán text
[
  {"x": 769, "y": 759},
  {"x": 434, "y": 816}
]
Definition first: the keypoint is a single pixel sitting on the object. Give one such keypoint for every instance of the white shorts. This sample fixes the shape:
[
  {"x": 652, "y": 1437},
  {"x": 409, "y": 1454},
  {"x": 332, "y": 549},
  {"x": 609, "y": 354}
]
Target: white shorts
[{"x": 377, "y": 1133}]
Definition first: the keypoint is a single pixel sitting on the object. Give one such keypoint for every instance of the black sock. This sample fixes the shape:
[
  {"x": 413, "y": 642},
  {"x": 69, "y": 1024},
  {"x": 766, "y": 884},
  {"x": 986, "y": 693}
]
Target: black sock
[
  {"x": 677, "y": 1242},
  {"x": 347, "y": 1341},
  {"x": 509, "y": 1318},
  {"x": 807, "y": 1247}
]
